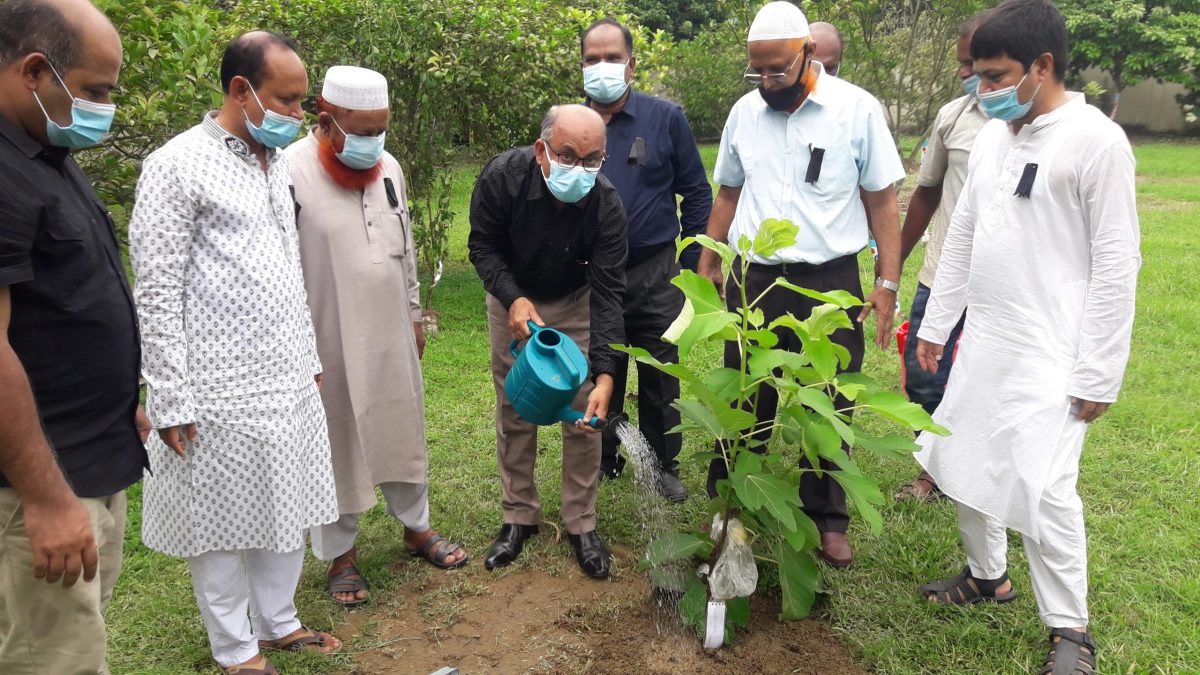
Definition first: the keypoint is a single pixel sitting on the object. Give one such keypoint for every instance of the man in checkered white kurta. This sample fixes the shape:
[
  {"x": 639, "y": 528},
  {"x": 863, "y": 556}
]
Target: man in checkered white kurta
[{"x": 240, "y": 467}]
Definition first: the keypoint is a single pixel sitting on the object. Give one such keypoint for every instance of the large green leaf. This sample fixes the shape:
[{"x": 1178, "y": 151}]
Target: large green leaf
[
  {"x": 725, "y": 422},
  {"x": 761, "y": 490},
  {"x": 840, "y": 298},
  {"x": 895, "y": 407},
  {"x": 709, "y": 315},
  {"x": 865, "y": 493},
  {"x": 798, "y": 578},
  {"x": 816, "y": 347},
  {"x": 816, "y": 432},
  {"x": 725, "y": 251},
  {"x": 693, "y": 606},
  {"x": 827, "y": 318},
  {"x": 676, "y": 546},
  {"x": 805, "y": 537},
  {"x": 896, "y": 446},
  {"x": 724, "y": 383},
  {"x": 763, "y": 362},
  {"x": 773, "y": 235},
  {"x": 678, "y": 370},
  {"x": 762, "y": 338}
]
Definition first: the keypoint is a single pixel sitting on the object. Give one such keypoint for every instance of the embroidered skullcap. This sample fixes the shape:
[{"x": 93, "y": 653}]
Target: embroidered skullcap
[
  {"x": 778, "y": 21},
  {"x": 355, "y": 88}
]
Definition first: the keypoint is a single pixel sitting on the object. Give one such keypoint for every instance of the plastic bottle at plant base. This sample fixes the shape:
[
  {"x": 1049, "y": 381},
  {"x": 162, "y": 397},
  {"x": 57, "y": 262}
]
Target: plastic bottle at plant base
[{"x": 735, "y": 574}]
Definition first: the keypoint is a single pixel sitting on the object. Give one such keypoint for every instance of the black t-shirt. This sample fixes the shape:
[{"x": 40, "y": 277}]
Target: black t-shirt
[{"x": 73, "y": 323}]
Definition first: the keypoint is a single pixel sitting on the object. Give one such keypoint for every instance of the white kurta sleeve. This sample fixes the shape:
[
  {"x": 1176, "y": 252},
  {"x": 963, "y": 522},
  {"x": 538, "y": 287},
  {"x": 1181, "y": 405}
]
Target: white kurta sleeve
[
  {"x": 160, "y": 242},
  {"x": 948, "y": 297},
  {"x": 1107, "y": 195}
]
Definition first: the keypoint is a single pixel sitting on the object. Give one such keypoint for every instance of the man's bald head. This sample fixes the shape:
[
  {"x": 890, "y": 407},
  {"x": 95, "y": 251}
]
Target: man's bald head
[
  {"x": 61, "y": 30},
  {"x": 829, "y": 46},
  {"x": 570, "y": 133},
  {"x": 51, "y": 52}
]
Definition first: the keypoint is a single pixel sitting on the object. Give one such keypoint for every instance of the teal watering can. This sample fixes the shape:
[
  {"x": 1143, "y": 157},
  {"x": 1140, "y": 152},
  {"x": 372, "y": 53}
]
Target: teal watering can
[{"x": 547, "y": 375}]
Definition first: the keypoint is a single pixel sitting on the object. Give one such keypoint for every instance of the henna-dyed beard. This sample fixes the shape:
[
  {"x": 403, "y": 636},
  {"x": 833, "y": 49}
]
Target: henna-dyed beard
[{"x": 342, "y": 175}]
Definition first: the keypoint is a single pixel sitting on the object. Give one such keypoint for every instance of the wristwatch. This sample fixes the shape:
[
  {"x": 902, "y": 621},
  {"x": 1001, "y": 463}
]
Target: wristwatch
[{"x": 890, "y": 285}]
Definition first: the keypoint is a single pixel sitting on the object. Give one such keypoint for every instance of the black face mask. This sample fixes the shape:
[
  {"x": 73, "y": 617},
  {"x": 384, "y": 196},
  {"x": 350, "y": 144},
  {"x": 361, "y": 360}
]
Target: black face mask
[{"x": 782, "y": 99}]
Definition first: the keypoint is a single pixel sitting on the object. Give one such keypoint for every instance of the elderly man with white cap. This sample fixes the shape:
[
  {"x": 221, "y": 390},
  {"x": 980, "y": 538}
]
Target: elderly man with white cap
[
  {"x": 799, "y": 148},
  {"x": 356, "y": 248}
]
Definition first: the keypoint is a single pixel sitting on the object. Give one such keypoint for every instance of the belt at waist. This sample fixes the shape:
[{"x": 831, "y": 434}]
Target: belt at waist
[
  {"x": 786, "y": 269},
  {"x": 637, "y": 256}
]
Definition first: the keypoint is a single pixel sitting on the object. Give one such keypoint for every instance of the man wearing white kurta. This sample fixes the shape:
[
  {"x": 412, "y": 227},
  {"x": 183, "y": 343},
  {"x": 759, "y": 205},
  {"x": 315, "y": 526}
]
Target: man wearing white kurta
[
  {"x": 360, "y": 271},
  {"x": 240, "y": 469},
  {"x": 1043, "y": 247}
]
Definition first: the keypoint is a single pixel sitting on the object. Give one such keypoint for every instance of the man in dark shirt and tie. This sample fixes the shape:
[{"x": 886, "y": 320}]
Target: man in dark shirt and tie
[
  {"x": 548, "y": 239},
  {"x": 69, "y": 443},
  {"x": 652, "y": 158}
]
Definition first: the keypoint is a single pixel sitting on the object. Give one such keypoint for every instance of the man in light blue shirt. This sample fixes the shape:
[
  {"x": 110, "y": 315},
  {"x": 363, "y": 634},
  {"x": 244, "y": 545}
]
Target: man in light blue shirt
[{"x": 799, "y": 148}]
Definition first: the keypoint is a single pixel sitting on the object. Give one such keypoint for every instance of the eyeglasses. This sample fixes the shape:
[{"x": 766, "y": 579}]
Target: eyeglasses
[
  {"x": 570, "y": 160},
  {"x": 777, "y": 78}
]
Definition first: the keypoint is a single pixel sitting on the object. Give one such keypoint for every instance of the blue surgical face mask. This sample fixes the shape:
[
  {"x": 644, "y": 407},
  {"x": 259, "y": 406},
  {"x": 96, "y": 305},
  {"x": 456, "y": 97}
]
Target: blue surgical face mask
[
  {"x": 605, "y": 82},
  {"x": 1003, "y": 104},
  {"x": 360, "y": 152},
  {"x": 569, "y": 184},
  {"x": 276, "y": 130},
  {"x": 90, "y": 121},
  {"x": 970, "y": 86}
]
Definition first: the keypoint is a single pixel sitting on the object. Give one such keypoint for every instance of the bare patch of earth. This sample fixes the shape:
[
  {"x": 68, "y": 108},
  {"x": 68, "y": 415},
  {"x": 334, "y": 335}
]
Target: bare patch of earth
[{"x": 551, "y": 619}]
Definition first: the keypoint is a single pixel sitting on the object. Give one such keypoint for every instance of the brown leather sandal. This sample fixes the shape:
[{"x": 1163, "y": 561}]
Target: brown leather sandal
[
  {"x": 922, "y": 489},
  {"x": 259, "y": 666},
  {"x": 306, "y": 640}
]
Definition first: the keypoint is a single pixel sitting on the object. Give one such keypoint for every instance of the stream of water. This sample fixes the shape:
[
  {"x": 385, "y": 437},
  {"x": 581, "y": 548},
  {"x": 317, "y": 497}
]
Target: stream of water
[{"x": 667, "y": 579}]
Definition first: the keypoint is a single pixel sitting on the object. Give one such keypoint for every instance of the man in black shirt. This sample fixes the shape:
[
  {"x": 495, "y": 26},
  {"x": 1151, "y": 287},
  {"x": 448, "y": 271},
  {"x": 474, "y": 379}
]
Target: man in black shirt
[
  {"x": 69, "y": 444},
  {"x": 548, "y": 239}
]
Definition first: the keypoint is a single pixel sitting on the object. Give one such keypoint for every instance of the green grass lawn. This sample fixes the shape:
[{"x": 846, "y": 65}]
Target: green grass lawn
[{"x": 1140, "y": 474}]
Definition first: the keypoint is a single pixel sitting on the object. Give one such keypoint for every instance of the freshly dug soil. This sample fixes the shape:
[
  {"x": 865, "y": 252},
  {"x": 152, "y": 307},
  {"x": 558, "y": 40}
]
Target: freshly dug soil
[{"x": 557, "y": 621}]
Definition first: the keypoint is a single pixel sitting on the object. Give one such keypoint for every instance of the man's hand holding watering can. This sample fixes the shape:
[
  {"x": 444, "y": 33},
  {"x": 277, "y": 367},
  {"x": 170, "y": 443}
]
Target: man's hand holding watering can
[
  {"x": 597, "y": 403},
  {"x": 520, "y": 313}
]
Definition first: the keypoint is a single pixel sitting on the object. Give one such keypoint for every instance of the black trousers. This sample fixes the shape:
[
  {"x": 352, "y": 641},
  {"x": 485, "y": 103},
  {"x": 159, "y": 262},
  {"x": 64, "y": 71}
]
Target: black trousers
[
  {"x": 823, "y": 498},
  {"x": 651, "y": 304}
]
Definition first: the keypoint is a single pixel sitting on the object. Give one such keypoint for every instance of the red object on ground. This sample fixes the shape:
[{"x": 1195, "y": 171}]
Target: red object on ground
[{"x": 901, "y": 340}]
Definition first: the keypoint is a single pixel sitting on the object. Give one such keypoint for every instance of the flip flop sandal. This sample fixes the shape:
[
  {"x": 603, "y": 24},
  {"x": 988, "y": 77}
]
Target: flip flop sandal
[
  {"x": 347, "y": 580},
  {"x": 1067, "y": 655},
  {"x": 308, "y": 641},
  {"x": 957, "y": 591},
  {"x": 259, "y": 666},
  {"x": 437, "y": 557}
]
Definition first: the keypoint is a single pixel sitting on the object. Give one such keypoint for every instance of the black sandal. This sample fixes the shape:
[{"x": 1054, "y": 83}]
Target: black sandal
[
  {"x": 347, "y": 580},
  {"x": 1067, "y": 654},
  {"x": 958, "y": 591}
]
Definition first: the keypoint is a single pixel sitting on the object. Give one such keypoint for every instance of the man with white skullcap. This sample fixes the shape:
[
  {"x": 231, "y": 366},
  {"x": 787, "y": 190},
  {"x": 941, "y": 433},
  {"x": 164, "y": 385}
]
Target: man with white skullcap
[
  {"x": 799, "y": 148},
  {"x": 356, "y": 248}
]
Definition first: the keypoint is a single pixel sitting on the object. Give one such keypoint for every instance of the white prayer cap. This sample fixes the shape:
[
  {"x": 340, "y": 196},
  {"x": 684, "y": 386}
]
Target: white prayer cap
[
  {"x": 355, "y": 88},
  {"x": 778, "y": 21}
]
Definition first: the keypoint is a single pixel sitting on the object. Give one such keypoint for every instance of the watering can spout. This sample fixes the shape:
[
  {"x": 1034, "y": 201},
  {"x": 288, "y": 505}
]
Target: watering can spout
[{"x": 571, "y": 415}]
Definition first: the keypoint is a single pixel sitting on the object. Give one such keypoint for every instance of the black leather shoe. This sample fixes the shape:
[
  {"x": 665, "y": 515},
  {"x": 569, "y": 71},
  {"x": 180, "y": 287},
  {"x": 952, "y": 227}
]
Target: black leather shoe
[
  {"x": 592, "y": 554},
  {"x": 508, "y": 545},
  {"x": 671, "y": 488}
]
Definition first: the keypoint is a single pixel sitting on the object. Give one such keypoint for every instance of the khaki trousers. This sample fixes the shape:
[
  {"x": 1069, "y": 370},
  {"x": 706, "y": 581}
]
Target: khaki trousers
[
  {"x": 45, "y": 628},
  {"x": 516, "y": 439}
]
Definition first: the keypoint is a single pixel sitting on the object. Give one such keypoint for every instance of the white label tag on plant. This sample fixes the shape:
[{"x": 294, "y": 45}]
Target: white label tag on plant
[{"x": 714, "y": 632}]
